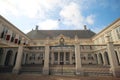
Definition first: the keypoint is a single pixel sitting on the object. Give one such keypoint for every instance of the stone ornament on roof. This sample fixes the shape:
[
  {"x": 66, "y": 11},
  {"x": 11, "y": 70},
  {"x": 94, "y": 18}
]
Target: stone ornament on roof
[{"x": 62, "y": 41}]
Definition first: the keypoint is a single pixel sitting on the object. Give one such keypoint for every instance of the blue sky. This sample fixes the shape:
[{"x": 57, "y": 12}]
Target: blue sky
[{"x": 60, "y": 14}]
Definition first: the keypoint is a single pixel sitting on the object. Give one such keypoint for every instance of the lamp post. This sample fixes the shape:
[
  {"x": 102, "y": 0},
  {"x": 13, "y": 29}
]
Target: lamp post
[{"x": 61, "y": 56}]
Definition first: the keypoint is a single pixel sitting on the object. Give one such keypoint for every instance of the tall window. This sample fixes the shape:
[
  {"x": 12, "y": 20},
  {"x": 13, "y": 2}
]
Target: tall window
[
  {"x": 103, "y": 39},
  {"x": 13, "y": 36},
  {"x": 4, "y": 32},
  {"x": 61, "y": 56},
  {"x": 118, "y": 32},
  {"x": 73, "y": 56},
  {"x": 67, "y": 56},
  {"x": 110, "y": 35},
  {"x": 55, "y": 56},
  {"x": 40, "y": 57},
  {"x": 33, "y": 56}
]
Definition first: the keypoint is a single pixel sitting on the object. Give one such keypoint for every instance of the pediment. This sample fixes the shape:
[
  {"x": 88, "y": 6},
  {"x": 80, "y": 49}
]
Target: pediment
[
  {"x": 57, "y": 39},
  {"x": 61, "y": 36}
]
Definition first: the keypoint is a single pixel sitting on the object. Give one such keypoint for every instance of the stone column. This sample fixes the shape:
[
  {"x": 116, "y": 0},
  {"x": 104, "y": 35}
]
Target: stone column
[
  {"x": 46, "y": 60},
  {"x": 58, "y": 58},
  {"x": 113, "y": 61},
  {"x": 70, "y": 57},
  {"x": 78, "y": 60},
  {"x": 17, "y": 66}
]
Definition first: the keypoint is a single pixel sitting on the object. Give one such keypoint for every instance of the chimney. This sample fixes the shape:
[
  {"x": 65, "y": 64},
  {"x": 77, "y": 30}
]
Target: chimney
[
  {"x": 36, "y": 27},
  {"x": 85, "y": 27}
]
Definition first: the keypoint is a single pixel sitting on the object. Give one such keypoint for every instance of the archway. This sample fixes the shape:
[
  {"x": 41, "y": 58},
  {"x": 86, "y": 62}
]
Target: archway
[
  {"x": 8, "y": 58},
  {"x": 117, "y": 57},
  {"x": 101, "y": 58},
  {"x": 1, "y": 53},
  {"x": 107, "y": 58},
  {"x": 96, "y": 58}
]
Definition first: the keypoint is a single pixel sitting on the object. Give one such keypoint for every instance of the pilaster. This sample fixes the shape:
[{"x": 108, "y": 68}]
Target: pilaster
[
  {"x": 58, "y": 58},
  {"x": 17, "y": 66},
  {"x": 79, "y": 70},
  {"x": 70, "y": 57},
  {"x": 46, "y": 60}
]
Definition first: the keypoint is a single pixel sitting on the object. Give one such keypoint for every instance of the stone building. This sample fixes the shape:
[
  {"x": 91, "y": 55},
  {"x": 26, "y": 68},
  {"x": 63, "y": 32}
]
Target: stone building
[{"x": 60, "y": 52}]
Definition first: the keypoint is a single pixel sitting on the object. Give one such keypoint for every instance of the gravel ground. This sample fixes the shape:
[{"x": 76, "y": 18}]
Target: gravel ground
[{"x": 51, "y": 77}]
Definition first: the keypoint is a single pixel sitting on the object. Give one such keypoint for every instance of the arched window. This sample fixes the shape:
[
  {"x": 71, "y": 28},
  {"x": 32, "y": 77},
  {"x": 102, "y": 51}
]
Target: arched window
[
  {"x": 101, "y": 58},
  {"x": 4, "y": 32},
  {"x": 96, "y": 58},
  {"x": 13, "y": 36},
  {"x": 1, "y": 53},
  {"x": 26, "y": 58},
  {"x": 107, "y": 58},
  {"x": 117, "y": 57},
  {"x": 8, "y": 58}
]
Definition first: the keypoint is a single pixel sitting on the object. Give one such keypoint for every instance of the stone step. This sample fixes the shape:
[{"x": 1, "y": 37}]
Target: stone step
[
  {"x": 4, "y": 69},
  {"x": 31, "y": 70}
]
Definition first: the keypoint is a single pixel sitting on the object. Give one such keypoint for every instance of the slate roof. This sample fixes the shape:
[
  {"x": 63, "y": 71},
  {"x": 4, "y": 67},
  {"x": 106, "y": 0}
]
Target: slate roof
[{"x": 43, "y": 34}]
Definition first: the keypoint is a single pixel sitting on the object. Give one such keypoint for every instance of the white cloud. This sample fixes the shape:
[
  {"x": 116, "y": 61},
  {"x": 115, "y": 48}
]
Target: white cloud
[
  {"x": 29, "y": 8},
  {"x": 48, "y": 24},
  {"x": 27, "y": 30},
  {"x": 6, "y": 8},
  {"x": 72, "y": 15},
  {"x": 70, "y": 12},
  {"x": 90, "y": 19}
]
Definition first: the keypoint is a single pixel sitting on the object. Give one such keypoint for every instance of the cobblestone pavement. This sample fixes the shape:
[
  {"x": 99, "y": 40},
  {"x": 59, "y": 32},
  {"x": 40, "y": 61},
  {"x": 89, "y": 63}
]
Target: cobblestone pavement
[{"x": 51, "y": 77}]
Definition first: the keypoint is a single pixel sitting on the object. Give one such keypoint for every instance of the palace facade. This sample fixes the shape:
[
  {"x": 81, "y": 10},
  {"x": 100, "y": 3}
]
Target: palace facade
[{"x": 60, "y": 52}]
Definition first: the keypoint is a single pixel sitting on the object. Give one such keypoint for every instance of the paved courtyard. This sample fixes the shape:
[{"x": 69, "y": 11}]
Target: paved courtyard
[{"x": 43, "y": 77}]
